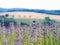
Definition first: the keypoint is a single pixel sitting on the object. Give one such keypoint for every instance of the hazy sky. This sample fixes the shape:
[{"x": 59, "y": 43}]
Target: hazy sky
[{"x": 31, "y": 4}]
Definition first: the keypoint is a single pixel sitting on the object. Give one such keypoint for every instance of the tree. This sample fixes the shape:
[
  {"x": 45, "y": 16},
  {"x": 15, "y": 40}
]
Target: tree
[
  {"x": 8, "y": 20},
  {"x": 48, "y": 21},
  {"x": 6, "y": 15}
]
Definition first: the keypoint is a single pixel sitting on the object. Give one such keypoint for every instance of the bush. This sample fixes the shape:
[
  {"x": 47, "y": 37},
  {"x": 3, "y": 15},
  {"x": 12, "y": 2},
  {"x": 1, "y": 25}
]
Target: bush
[{"x": 22, "y": 23}]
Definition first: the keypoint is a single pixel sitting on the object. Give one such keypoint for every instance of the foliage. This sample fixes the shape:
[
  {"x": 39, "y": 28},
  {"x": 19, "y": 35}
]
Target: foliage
[
  {"x": 23, "y": 23},
  {"x": 6, "y": 15},
  {"x": 49, "y": 21},
  {"x": 6, "y": 20}
]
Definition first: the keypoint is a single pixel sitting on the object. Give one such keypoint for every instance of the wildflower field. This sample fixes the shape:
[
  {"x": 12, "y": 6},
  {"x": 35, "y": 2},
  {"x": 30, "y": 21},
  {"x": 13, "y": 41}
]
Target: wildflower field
[{"x": 30, "y": 32}]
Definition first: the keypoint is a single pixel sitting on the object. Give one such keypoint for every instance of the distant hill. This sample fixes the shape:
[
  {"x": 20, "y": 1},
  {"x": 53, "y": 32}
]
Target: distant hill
[{"x": 51, "y": 12}]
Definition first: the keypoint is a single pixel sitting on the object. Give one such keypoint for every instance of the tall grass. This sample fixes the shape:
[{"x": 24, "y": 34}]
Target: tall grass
[{"x": 28, "y": 35}]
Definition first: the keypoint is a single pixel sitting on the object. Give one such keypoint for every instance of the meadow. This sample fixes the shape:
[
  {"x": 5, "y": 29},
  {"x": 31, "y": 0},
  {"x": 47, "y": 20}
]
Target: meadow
[{"x": 29, "y": 32}]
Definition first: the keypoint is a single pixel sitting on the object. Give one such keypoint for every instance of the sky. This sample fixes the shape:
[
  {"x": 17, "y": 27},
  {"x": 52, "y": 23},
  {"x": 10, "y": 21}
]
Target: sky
[{"x": 31, "y": 4}]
